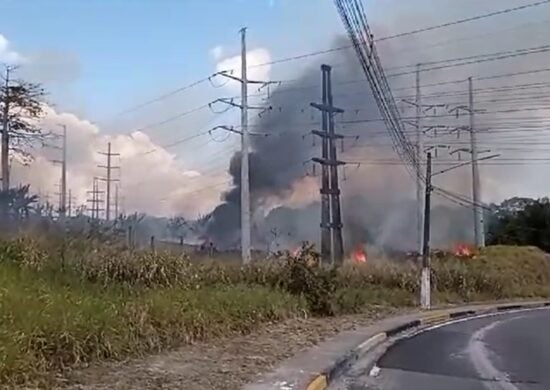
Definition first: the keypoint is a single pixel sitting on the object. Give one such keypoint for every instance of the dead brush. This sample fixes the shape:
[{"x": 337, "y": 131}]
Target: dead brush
[
  {"x": 141, "y": 268},
  {"x": 25, "y": 252}
]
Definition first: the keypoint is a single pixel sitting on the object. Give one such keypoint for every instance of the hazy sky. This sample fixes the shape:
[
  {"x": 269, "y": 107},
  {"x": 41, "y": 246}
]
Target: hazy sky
[
  {"x": 98, "y": 58},
  {"x": 117, "y": 52}
]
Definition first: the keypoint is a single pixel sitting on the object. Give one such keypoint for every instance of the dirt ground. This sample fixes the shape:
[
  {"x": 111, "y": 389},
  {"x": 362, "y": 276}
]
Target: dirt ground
[{"x": 222, "y": 364}]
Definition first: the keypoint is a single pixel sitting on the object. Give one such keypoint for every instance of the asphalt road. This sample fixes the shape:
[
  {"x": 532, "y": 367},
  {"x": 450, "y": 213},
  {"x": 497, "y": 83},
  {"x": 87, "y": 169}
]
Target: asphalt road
[{"x": 503, "y": 352}]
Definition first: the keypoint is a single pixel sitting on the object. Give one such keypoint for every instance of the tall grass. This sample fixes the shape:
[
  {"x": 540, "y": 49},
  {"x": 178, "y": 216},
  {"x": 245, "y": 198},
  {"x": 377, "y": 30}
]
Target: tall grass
[
  {"x": 47, "y": 323},
  {"x": 67, "y": 304}
]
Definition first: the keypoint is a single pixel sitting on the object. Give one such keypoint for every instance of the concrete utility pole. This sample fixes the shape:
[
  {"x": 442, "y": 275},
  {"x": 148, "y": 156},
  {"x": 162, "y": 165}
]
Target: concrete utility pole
[
  {"x": 116, "y": 201},
  {"x": 245, "y": 145},
  {"x": 476, "y": 185},
  {"x": 419, "y": 154},
  {"x": 70, "y": 206},
  {"x": 245, "y": 180},
  {"x": 63, "y": 181},
  {"x": 63, "y": 193},
  {"x": 108, "y": 179},
  {"x": 5, "y": 133},
  {"x": 64, "y": 174},
  {"x": 331, "y": 223},
  {"x": 425, "y": 278}
]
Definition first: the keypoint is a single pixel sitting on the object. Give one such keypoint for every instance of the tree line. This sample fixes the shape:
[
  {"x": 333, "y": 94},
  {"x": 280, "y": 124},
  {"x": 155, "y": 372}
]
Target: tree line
[{"x": 520, "y": 221}]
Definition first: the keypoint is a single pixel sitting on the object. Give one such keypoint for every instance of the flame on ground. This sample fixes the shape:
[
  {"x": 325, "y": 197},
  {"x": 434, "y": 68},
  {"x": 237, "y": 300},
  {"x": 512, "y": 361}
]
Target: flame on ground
[
  {"x": 359, "y": 255},
  {"x": 462, "y": 250}
]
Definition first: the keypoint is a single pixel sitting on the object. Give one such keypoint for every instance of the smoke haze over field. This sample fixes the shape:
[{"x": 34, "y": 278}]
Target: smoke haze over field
[
  {"x": 377, "y": 201},
  {"x": 171, "y": 165}
]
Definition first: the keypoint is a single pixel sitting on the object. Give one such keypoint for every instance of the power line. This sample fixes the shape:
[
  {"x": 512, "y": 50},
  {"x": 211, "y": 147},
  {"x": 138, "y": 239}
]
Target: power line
[
  {"x": 327, "y": 51},
  {"x": 465, "y": 20},
  {"x": 542, "y": 49},
  {"x": 498, "y": 55},
  {"x": 171, "y": 119},
  {"x": 407, "y": 33},
  {"x": 162, "y": 97}
]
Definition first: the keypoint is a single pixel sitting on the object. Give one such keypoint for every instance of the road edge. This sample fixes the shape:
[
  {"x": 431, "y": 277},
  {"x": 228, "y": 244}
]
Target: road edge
[{"x": 323, "y": 379}]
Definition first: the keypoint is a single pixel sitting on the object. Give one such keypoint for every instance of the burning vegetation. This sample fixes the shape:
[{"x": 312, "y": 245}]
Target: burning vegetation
[
  {"x": 359, "y": 255},
  {"x": 462, "y": 250}
]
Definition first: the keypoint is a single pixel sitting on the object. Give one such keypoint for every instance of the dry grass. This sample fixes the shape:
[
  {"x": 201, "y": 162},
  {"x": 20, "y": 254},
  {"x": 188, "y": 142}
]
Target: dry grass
[{"x": 70, "y": 303}]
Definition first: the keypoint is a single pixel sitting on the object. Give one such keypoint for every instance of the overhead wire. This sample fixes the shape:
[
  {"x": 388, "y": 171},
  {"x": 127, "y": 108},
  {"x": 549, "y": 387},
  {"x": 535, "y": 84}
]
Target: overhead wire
[{"x": 403, "y": 34}]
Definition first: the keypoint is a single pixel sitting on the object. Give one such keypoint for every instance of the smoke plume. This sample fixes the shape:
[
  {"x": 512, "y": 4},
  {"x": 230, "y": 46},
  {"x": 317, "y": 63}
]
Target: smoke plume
[{"x": 377, "y": 201}]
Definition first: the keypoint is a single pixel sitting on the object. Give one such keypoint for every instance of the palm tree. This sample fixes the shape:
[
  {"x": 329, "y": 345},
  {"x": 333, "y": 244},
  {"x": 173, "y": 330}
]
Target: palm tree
[{"x": 17, "y": 203}]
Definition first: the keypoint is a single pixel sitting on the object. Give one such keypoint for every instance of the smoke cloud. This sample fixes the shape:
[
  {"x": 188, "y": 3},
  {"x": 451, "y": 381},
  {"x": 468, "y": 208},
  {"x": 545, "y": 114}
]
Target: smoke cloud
[{"x": 377, "y": 201}]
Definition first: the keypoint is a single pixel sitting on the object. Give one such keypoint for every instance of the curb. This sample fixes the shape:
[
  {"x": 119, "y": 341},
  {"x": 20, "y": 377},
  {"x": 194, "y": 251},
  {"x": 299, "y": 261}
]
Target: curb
[{"x": 322, "y": 380}]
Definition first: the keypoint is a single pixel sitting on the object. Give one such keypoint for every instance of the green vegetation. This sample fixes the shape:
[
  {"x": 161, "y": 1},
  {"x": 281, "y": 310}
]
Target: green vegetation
[
  {"x": 521, "y": 221},
  {"x": 65, "y": 304}
]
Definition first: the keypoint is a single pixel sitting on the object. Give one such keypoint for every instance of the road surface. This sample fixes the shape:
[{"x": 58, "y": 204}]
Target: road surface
[{"x": 503, "y": 352}]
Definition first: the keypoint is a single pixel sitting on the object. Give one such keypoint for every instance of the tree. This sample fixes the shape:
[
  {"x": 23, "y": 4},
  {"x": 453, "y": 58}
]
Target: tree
[
  {"x": 21, "y": 107},
  {"x": 178, "y": 226},
  {"x": 18, "y": 203},
  {"x": 529, "y": 225}
]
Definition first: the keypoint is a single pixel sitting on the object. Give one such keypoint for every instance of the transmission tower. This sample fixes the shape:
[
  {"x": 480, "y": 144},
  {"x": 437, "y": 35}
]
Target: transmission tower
[
  {"x": 108, "y": 180},
  {"x": 96, "y": 200},
  {"x": 332, "y": 248}
]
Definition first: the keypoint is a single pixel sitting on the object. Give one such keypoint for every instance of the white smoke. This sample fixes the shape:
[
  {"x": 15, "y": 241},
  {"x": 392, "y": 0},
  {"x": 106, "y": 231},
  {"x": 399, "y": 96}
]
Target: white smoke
[{"x": 152, "y": 179}]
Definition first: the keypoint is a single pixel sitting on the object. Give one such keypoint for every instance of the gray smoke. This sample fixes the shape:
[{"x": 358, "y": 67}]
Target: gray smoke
[{"x": 377, "y": 204}]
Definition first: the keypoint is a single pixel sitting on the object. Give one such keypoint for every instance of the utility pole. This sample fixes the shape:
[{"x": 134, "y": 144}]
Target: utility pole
[
  {"x": 70, "y": 206},
  {"x": 337, "y": 243},
  {"x": 116, "y": 201},
  {"x": 64, "y": 174},
  {"x": 245, "y": 145},
  {"x": 96, "y": 199},
  {"x": 5, "y": 132},
  {"x": 108, "y": 179},
  {"x": 476, "y": 190},
  {"x": 419, "y": 154},
  {"x": 63, "y": 184},
  {"x": 245, "y": 180},
  {"x": 326, "y": 237},
  {"x": 425, "y": 282},
  {"x": 331, "y": 222}
]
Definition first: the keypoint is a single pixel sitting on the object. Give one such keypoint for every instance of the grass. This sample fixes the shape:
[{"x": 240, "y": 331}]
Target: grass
[
  {"x": 48, "y": 324},
  {"x": 64, "y": 307}
]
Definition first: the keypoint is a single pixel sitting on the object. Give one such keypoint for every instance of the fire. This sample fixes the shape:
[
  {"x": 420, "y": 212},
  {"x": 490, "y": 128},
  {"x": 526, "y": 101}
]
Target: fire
[
  {"x": 462, "y": 250},
  {"x": 359, "y": 255},
  {"x": 296, "y": 252}
]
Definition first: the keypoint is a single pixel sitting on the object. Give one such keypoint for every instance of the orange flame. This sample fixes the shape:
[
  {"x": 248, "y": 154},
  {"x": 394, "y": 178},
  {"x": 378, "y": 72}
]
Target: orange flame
[
  {"x": 359, "y": 255},
  {"x": 462, "y": 250}
]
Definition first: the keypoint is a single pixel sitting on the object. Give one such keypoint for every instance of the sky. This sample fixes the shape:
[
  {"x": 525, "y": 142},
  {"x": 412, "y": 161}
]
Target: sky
[
  {"x": 98, "y": 58},
  {"x": 121, "y": 49}
]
